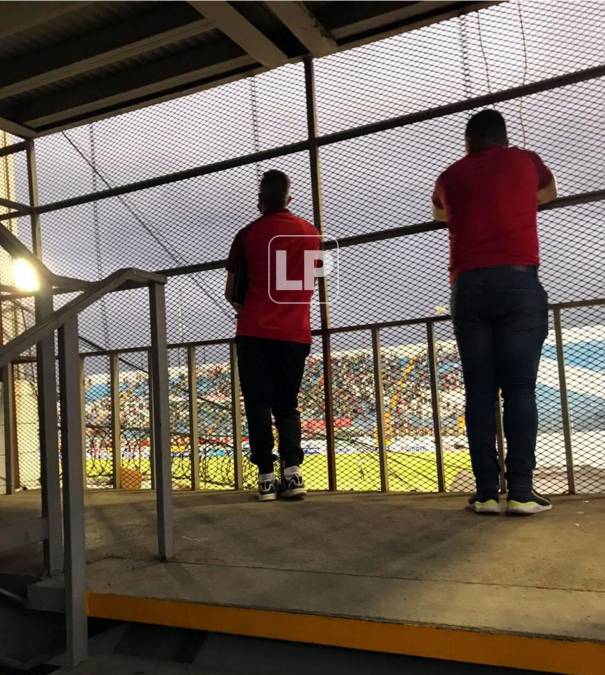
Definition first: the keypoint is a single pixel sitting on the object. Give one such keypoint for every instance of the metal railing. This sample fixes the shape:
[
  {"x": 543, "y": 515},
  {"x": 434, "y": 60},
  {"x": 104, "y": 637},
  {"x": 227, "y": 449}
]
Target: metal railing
[{"x": 65, "y": 546}]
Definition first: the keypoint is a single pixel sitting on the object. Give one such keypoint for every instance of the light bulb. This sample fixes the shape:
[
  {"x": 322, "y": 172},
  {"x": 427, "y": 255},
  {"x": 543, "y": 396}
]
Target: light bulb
[{"x": 24, "y": 275}]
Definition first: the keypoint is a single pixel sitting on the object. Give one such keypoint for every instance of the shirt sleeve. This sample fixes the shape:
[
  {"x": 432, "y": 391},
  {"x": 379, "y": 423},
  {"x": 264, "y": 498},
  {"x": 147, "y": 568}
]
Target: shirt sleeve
[
  {"x": 544, "y": 173},
  {"x": 236, "y": 252},
  {"x": 437, "y": 194}
]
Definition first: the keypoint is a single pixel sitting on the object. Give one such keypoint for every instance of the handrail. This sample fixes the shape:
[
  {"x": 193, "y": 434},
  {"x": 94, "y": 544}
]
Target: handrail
[{"x": 125, "y": 277}]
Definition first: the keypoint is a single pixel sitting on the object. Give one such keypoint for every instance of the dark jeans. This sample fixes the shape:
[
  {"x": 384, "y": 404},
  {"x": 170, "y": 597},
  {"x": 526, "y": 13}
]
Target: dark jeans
[
  {"x": 501, "y": 321},
  {"x": 270, "y": 375}
]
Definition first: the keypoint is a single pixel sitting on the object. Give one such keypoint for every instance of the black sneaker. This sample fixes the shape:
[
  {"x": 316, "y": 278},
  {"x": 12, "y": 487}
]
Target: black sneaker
[
  {"x": 268, "y": 490},
  {"x": 485, "y": 504},
  {"x": 526, "y": 503},
  {"x": 293, "y": 487}
]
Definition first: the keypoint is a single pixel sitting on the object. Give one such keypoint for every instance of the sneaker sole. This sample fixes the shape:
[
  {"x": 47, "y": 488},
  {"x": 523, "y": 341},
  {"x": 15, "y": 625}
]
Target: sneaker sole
[
  {"x": 267, "y": 498},
  {"x": 490, "y": 508},
  {"x": 526, "y": 508},
  {"x": 296, "y": 493}
]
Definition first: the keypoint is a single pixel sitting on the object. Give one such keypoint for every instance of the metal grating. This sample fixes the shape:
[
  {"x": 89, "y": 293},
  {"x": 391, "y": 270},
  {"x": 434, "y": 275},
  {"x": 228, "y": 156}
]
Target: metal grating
[{"x": 371, "y": 182}]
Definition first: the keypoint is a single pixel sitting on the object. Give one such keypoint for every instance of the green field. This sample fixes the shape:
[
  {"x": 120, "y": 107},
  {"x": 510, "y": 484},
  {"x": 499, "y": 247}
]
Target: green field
[{"x": 408, "y": 472}]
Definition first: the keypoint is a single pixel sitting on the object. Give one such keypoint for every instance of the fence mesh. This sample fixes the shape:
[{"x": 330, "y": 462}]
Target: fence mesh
[{"x": 370, "y": 183}]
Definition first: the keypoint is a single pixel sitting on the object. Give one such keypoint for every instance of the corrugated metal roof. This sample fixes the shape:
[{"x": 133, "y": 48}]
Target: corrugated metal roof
[{"x": 65, "y": 63}]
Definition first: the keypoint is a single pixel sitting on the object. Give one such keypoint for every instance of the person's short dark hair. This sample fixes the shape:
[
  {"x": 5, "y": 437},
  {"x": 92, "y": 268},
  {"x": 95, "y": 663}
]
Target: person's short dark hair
[
  {"x": 275, "y": 189},
  {"x": 486, "y": 129}
]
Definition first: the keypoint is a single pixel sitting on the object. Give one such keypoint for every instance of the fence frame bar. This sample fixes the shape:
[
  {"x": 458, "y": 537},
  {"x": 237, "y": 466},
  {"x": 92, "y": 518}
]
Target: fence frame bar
[
  {"x": 435, "y": 404},
  {"x": 116, "y": 422},
  {"x": 11, "y": 457},
  {"x": 73, "y": 493},
  {"x": 379, "y": 399},
  {"x": 236, "y": 418},
  {"x": 194, "y": 434},
  {"x": 47, "y": 391},
  {"x": 161, "y": 421},
  {"x": 565, "y": 417}
]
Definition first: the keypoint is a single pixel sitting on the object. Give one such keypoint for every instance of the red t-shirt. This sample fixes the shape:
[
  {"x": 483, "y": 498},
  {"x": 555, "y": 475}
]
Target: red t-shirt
[
  {"x": 490, "y": 201},
  {"x": 278, "y": 297}
]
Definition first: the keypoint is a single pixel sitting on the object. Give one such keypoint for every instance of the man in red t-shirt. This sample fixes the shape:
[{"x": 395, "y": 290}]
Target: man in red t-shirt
[
  {"x": 489, "y": 199},
  {"x": 277, "y": 254}
]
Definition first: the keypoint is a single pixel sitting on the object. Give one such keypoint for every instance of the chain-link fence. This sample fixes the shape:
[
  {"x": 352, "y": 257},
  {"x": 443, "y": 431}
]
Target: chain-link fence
[{"x": 390, "y": 118}]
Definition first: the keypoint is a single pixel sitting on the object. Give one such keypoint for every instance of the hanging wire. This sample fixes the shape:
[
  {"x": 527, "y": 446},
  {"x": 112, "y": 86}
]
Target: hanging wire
[
  {"x": 487, "y": 77},
  {"x": 255, "y": 127},
  {"x": 151, "y": 232},
  {"x": 525, "y": 67}
]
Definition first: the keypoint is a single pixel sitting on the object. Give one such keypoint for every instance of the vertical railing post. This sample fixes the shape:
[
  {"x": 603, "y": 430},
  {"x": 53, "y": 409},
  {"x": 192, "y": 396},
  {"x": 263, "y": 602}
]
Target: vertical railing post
[
  {"x": 73, "y": 493},
  {"x": 116, "y": 422},
  {"x": 434, "y": 379},
  {"x": 500, "y": 442},
  {"x": 236, "y": 418},
  {"x": 82, "y": 374},
  {"x": 151, "y": 429},
  {"x": 379, "y": 398},
  {"x": 565, "y": 418},
  {"x": 10, "y": 428},
  {"x": 47, "y": 393},
  {"x": 317, "y": 196},
  {"x": 194, "y": 435},
  {"x": 161, "y": 421}
]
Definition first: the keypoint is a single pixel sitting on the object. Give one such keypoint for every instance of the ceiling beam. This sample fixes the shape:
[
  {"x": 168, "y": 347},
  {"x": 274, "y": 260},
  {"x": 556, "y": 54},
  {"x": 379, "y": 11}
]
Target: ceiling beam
[
  {"x": 116, "y": 44},
  {"x": 236, "y": 27},
  {"x": 16, "y": 129},
  {"x": 305, "y": 26},
  {"x": 349, "y": 40},
  {"x": 387, "y": 18},
  {"x": 21, "y": 16},
  {"x": 112, "y": 90}
]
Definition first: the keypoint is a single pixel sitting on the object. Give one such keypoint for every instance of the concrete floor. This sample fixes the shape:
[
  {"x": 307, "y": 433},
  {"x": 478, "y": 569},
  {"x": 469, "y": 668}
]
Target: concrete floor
[{"x": 420, "y": 559}]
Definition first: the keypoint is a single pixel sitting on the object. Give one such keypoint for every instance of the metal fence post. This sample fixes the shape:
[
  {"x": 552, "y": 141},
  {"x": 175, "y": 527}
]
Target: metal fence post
[
  {"x": 10, "y": 427},
  {"x": 161, "y": 421},
  {"x": 73, "y": 493},
  {"x": 236, "y": 417},
  {"x": 434, "y": 378},
  {"x": 565, "y": 418},
  {"x": 194, "y": 435},
  {"x": 47, "y": 393},
  {"x": 326, "y": 320},
  {"x": 116, "y": 422},
  {"x": 500, "y": 442},
  {"x": 151, "y": 428},
  {"x": 379, "y": 398},
  {"x": 82, "y": 374}
]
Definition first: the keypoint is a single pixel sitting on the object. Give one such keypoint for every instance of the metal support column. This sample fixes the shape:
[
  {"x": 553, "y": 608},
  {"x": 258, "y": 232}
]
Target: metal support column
[
  {"x": 236, "y": 417},
  {"x": 434, "y": 377},
  {"x": 151, "y": 428},
  {"x": 82, "y": 373},
  {"x": 379, "y": 398},
  {"x": 116, "y": 422},
  {"x": 73, "y": 494},
  {"x": 326, "y": 320},
  {"x": 47, "y": 394},
  {"x": 161, "y": 421},
  {"x": 10, "y": 428},
  {"x": 500, "y": 442},
  {"x": 565, "y": 418},
  {"x": 194, "y": 435}
]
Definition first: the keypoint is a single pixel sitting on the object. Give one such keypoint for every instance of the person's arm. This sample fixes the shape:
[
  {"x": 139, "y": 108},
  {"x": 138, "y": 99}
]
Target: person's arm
[
  {"x": 547, "y": 183},
  {"x": 549, "y": 192},
  {"x": 438, "y": 207},
  {"x": 237, "y": 250}
]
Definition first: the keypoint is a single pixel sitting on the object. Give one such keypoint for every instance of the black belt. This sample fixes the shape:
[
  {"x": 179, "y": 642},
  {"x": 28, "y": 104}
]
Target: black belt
[{"x": 523, "y": 268}]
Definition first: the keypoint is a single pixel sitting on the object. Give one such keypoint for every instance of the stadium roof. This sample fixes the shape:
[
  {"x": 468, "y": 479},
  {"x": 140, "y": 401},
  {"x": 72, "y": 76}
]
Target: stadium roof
[{"x": 66, "y": 63}]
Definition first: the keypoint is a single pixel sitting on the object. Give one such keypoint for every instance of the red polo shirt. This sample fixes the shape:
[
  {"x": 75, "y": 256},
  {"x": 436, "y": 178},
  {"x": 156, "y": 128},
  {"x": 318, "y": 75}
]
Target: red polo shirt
[
  {"x": 490, "y": 201},
  {"x": 277, "y": 302}
]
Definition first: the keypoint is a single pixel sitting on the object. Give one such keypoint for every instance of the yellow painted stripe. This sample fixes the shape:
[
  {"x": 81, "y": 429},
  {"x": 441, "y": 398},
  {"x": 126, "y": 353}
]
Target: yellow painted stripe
[{"x": 573, "y": 657}]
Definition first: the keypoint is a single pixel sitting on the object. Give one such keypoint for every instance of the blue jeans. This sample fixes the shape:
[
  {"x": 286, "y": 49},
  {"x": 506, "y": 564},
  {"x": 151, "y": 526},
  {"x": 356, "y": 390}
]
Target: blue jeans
[{"x": 500, "y": 319}]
